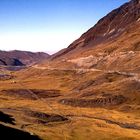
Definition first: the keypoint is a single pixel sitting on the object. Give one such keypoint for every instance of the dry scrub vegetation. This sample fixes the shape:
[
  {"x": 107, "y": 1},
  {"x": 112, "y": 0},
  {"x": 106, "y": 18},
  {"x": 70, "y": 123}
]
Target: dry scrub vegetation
[{"x": 73, "y": 105}]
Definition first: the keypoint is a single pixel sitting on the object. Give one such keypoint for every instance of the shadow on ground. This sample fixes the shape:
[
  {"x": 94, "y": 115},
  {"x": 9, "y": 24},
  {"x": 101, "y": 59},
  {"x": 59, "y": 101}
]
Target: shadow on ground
[
  {"x": 6, "y": 118},
  {"x": 8, "y": 133}
]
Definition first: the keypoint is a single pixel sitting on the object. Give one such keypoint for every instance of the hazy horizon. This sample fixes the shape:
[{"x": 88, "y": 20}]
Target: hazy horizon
[{"x": 48, "y": 25}]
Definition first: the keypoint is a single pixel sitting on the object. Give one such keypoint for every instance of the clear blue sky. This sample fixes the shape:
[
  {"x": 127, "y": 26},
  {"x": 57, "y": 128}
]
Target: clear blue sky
[{"x": 48, "y": 25}]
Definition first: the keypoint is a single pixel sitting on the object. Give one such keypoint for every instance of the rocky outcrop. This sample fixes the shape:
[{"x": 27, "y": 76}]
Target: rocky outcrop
[
  {"x": 44, "y": 118},
  {"x": 98, "y": 102}
]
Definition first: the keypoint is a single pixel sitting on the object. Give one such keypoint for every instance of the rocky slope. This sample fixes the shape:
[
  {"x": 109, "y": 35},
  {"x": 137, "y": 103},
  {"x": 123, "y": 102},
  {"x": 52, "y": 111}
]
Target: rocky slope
[
  {"x": 113, "y": 43},
  {"x": 21, "y": 58}
]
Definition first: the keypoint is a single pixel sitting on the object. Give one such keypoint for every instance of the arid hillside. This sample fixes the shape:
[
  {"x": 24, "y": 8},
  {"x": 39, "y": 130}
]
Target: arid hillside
[{"x": 113, "y": 43}]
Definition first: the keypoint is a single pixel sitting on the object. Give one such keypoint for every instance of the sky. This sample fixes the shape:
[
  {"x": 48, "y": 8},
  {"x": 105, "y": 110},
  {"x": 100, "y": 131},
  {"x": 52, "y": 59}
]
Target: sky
[{"x": 48, "y": 25}]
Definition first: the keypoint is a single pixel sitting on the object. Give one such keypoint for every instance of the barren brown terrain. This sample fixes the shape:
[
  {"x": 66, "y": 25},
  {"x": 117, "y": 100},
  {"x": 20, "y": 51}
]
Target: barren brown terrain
[{"x": 90, "y": 90}]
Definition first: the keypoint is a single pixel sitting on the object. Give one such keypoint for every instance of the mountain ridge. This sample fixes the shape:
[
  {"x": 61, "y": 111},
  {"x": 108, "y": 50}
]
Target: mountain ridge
[
  {"x": 21, "y": 58},
  {"x": 107, "y": 28}
]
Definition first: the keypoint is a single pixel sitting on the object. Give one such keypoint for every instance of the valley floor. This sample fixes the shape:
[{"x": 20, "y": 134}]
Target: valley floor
[{"x": 72, "y": 104}]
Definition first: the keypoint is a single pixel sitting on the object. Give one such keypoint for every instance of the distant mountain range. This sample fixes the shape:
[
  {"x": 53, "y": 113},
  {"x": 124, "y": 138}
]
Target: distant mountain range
[{"x": 21, "y": 58}]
